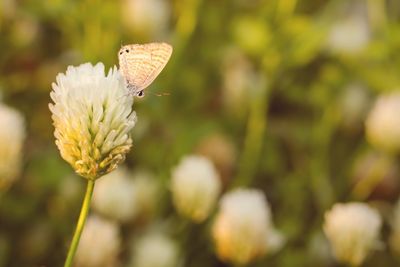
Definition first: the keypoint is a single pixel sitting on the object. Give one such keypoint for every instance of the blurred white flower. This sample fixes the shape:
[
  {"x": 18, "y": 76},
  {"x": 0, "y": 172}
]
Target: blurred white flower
[
  {"x": 99, "y": 245},
  {"x": 115, "y": 196},
  {"x": 383, "y": 123},
  {"x": 349, "y": 34},
  {"x": 136, "y": 14},
  {"x": 92, "y": 119},
  {"x": 195, "y": 187},
  {"x": 155, "y": 250},
  {"x": 243, "y": 230},
  {"x": 394, "y": 239},
  {"x": 147, "y": 192},
  {"x": 12, "y": 135},
  {"x": 353, "y": 231}
]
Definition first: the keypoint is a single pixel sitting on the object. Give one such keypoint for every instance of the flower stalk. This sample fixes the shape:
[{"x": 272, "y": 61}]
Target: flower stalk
[{"x": 81, "y": 223}]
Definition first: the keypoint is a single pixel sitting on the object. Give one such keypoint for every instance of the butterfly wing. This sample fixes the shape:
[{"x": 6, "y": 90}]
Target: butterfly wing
[{"x": 141, "y": 64}]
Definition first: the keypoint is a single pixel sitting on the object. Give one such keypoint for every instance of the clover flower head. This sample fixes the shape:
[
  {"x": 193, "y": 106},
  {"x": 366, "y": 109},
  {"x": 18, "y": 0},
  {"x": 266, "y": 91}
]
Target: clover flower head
[
  {"x": 195, "y": 187},
  {"x": 243, "y": 230},
  {"x": 353, "y": 231},
  {"x": 92, "y": 118}
]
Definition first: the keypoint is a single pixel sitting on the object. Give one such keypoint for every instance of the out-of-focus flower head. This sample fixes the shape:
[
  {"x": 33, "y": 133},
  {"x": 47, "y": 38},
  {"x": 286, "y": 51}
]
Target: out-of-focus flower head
[
  {"x": 243, "y": 230},
  {"x": 136, "y": 14},
  {"x": 195, "y": 186},
  {"x": 351, "y": 33},
  {"x": 155, "y": 249},
  {"x": 115, "y": 196},
  {"x": 12, "y": 135},
  {"x": 92, "y": 119},
  {"x": 353, "y": 231},
  {"x": 383, "y": 123},
  {"x": 99, "y": 245}
]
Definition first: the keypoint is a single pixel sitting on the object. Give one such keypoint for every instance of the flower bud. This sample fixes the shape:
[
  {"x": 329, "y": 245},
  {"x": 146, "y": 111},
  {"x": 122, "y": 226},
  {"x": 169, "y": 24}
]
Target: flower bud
[
  {"x": 195, "y": 187},
  {"x": 99, "y": 244},
  {"x": 383, "y": 123},
  {"x": 243, "y": 230},
  {"x": 155, "y": 250},
  {"x": 353, "y": 231},
  {"x": 115, "y": 196}
]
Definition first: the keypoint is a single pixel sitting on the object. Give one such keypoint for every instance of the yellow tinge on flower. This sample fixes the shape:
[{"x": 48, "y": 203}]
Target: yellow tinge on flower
[
  {"x": 195, "y": 186},
  {"x": 383, "y": 123},
  {"x": 92, "y": 118},
  {"x": 353, "y": 231},
  {"x": 243, "y": 229}
]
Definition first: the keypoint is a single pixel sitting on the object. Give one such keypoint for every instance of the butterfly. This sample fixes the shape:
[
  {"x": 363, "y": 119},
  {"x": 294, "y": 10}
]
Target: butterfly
[{"x": 140, "y": 64}]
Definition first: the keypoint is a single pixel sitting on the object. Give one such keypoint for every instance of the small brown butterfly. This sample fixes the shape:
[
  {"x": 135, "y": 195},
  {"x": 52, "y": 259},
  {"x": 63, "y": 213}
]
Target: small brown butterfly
[{"x": 140, "y": 64}]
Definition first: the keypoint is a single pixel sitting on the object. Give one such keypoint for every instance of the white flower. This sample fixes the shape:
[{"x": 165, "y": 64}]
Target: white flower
[
  {"x": 383, "y": 123},
  {"x": 353, "y": 231},
  {"x": 115, "y": 196},
  {"x": 394, "y": 240},
  {"x": 349, "y": 35},
  {"x": 243, "y": 230},
  {"x": 99, "y": 245},
  {"x": 92, "y": 119},
  {"x": 195, "y": 187},
  {"x": 155, "y": 250},
  {"x": 147, "y": 190},
  {"x": 12, "y": 135},
  {"x": 136, "y": 14}
]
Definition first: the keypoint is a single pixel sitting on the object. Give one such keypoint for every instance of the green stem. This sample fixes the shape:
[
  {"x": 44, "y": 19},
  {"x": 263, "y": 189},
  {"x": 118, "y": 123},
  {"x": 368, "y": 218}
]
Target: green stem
[
  {"x": 80, "y": 224},
  {"x": 254, "y": 139}
]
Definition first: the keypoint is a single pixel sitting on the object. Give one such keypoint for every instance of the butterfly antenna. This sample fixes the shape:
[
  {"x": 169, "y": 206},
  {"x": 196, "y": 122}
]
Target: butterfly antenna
[
  {"x": 162, "y": 94},
  {"x": 159, "y": 94}
]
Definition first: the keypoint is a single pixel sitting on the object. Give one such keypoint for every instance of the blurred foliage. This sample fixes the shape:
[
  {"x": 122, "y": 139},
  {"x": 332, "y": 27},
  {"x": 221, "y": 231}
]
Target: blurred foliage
[{"x": 269, "y": 76}]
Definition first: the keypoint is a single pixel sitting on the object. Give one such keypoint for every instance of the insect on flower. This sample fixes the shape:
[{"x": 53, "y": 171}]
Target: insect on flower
[{"x": 140, "y": 64}]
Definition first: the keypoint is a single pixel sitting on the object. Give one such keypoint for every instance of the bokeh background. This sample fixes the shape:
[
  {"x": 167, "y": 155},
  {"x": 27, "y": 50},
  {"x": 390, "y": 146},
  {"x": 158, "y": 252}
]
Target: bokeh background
[{"x": 275, "y": 93}]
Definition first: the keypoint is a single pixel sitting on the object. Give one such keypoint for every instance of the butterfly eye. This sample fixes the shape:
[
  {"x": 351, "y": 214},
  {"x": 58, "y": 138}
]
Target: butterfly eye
[
  {"x": 121, "y": 52},
  {"x": 140, "y": 94},
  {"x": 127, "y": 51}
]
